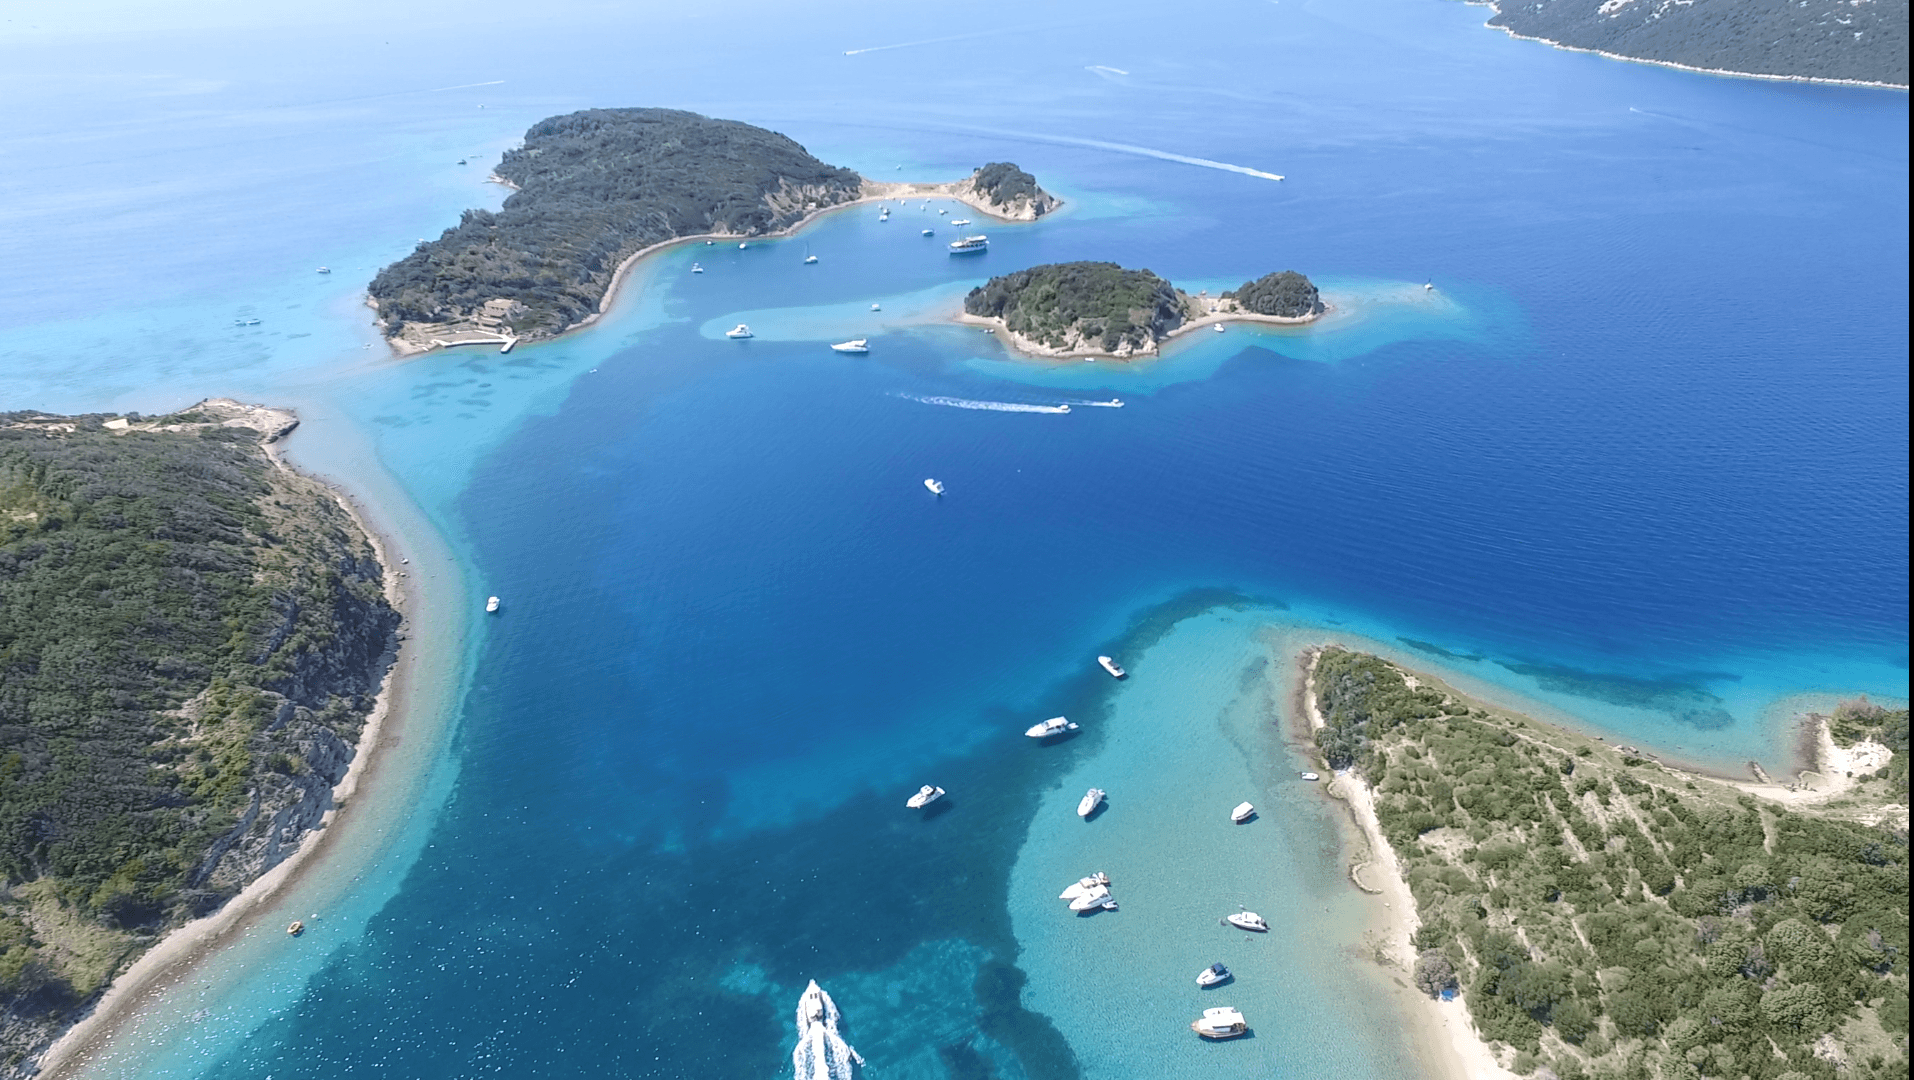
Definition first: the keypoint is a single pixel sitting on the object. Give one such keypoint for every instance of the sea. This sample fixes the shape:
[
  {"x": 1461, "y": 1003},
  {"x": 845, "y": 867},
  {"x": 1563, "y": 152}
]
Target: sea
[{"x": 1609, "y": 423}]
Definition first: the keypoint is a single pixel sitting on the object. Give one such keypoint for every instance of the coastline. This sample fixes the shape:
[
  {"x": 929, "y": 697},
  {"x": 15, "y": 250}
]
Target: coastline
[
  {"x": 177, "y": 956},
  {"x": 1442, "y": 1031},
  {"x": 1492, "y": 5},
  {"x": 1019, "y": 345},
  {"x": 871, "y": 191}
]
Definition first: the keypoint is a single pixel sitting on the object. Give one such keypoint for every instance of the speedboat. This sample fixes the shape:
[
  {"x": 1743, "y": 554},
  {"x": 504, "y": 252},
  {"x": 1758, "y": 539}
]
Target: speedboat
[
  {"x": 1430, "y": 284},
  {"x": 1222, "y": 1023},
  {"x": 738, "y": 332},
  {"x": 1085, "y": 886},
  {"x": 877, "y": 307},
  {"x": 1094, "y": 900},
  {"x": 325, "y": 269},
  {"x": 1248, "y": 920},
  {"x": 1242, "y": 813},
  {"x": 970, "y": 245},
  {"x": 822, "y": 1053},
  {"x": 855, "y": 345},
  {"x": 741, "y": 245},
  {"x": 960, "y": 222},
  {"x": 936, "y": 487},
  {"x": 461, "y": 161},
  {"x": 924, "y": 797},
  {"x": 491, "y": 604},
  {"x": 810, "y": 260},
  {"x": 1311, "y": 776},
  {"x": 1091, "y": 800},
  {"x": 1213, "y": 975},
  {"x": 1056, "y": 725},
  {"x": 1111, "y": 666},
  {"x": 696, "y": 269},
  {"x": 1116, "y": 403},
  {"x": 930, "y": 232}
]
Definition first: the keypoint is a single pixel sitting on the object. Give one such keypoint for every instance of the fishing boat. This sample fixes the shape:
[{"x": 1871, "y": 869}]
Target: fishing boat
[
  {"x": 1248, "y": 920},
  {"x": 491, "y": 605},
  {"x": 1090, "y": 801},
  {"x": 855, "y": 345},
  {"x": 1220, "y": 1023},
  {"x": 1116, "y": 670},
  {"x": 1311, "y": 776},
  {"x": 1242, "y": 813},
  {"x": 936, "y": 487},
  {"x": 1084, "y": 886},
  {"x": 970, "y": 245},
  {"x": 822, "y": 1053},
  {"x": 924, "y": 797},
  {"x": 1056, "y": 725},
  {"x": 1214, "y": 975},
  {"x": 738, "y": 332}
]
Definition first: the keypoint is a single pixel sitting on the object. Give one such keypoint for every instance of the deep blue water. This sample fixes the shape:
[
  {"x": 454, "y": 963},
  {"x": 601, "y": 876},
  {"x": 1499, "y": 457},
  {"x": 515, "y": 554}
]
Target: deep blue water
[{"x": 1641, "y": 458}]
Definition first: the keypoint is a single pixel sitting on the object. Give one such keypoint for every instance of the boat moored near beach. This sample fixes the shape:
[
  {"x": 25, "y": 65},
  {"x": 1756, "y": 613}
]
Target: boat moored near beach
[
  {"x": 1090, "y": 801},
  {"x": 1056, "y": 725},
  {"x": 1116, "y": 670},
  {"x": 1311, "y": 776},
  {"x": 1242, "y": 813},
  {"x": 1248, "y": 920},
  {"x": 822, "y": 1053},
  {"x": 738, "y": 332},
  {"x": 1220, "y": 1023},
  {"x": 924, "y": 797}
]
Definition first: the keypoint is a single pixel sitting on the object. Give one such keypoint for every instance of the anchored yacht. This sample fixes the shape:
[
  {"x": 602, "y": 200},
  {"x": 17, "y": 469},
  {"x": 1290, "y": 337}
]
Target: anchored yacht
[
  {"x": 738, "y": 332},
  {"x": 959, "y": 222},
  {"x": 1242, "y": 813},
  {"x": 491, "y": 604},
  {"x": 810, "y": 260},
  {"x": 1115, "y": 669},
  {"x": 935, "y": 487},
  {"x": 822, "y": 1053},
  {"x": 1091, "y": 800},
  {"x": 1094, "y": 900},
  {"x": 1056, "y": 725},
  {"x": 1085, "y": 886},
  {"x": 855, "y": 345},
  {"x": 1213, "y": 975},
  {"x": 1248, "y": 920},
  {"x": 930, "y": 232},
  {"x": 1221, "y": 1023},
  {"x": 924, "y": 797}
]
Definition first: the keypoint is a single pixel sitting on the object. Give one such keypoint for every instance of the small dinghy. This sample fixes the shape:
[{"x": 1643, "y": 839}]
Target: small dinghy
[
  {"x": 1056, "y": 725},
  {"x": 1248, "y": 920},
  {"x": 1091, "y": 800},
  {"x": 924, "y": 797},
  {"x": 1242, "y": 813},
  {"x": 1214, "y": 975},
  {"x": 1221, "y": 1023}
]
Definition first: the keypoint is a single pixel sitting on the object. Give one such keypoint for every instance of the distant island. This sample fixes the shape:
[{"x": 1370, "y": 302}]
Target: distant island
[
  {"x": 193, "y": 638},
  {"x": 1602, "y": 914},
  {"x": 1863, "y": 41},
  {"x": 593, "y": 190},
  {"x": 1100, "y": 309}
]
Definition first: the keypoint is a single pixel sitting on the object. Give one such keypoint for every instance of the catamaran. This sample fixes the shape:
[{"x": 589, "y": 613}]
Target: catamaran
[{"x": 822, "y": 1053}]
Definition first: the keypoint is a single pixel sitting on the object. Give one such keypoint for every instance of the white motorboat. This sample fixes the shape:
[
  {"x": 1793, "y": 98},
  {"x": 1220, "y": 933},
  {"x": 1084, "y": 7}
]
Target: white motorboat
[
  {"x": 924, "y": 797},
  {"x": 943, "y": 211},
  {"x": 742, "y": 245},
  {"x": 1242, "y": 813},
  {"x": 491, "y": 604},
  {"x": 1085, "y": 886},
  {"x": 930, "y": 232},
  {"x": 810, "y": 260},
  {"x": 935, "y": 487},
  {"x": 1090, "y": 801},
  {"x": 1094, "y": 900},
  {"x": 325, "y": 269},
  {"x": 877, "y": 307},
  {"x": 1214, "y": 975},
  {"x": 696, "y": 269},
  {"x": 1217, "y": 327},
  {"x": 822, "y": 1053},
  {"x": 1220, "y": 1023},
  {"x": 1311, "y": 776},
  {"x": 855, "y": 345},
  {"x": 738, "y": 332},
  {"x": 1248, "y": 920},
  {"x": 1056, "y": 725},
  {"x": 1430, "y": 284},
  {"x": 959, "y": 223},
  {"x": 1116, "y": 670}
]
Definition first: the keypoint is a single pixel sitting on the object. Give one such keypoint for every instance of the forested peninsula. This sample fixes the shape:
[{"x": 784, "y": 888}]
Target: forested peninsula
[
  {"x": 1079, "y": 309},
  {"x": 1849, "y": 40},
  {"x": 593, "y": 189},
  {"x": 1604, "y": 915},
  {"x": 192, "y": 638}
]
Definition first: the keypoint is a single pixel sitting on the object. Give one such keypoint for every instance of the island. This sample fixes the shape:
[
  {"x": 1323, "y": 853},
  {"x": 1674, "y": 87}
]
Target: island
[
  {"x": 1100, "y": 309},
  {"x": 194, "y": 640},
  {"x": 1601, "y": 913},
  {"x": 1854, "y": 41},
  {"x": 595, "y": 190}
]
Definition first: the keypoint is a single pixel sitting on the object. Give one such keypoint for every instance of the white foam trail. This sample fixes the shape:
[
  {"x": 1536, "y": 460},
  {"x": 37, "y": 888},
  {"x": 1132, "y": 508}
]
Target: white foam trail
[
  {"x": 988, "y": 406},
  {"x": 1113, "y": 403},
  {"x": 464, "y": 86},
  {"x": 1101, "y": 68},
  {"x": 1126, "y": 148},
  {"x": 926, "y": 41}
]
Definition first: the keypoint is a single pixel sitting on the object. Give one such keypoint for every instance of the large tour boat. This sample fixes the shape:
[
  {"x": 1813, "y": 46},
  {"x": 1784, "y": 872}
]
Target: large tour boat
[{"x": 970, "y": 245}]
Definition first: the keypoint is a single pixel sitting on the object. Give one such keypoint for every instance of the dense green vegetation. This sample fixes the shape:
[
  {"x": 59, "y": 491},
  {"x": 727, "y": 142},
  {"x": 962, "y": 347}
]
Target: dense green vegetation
[
  {"x": 1091, "y": 305},
  {"x": 183, "y": 626},
  {"x": 1864, "y": 40},
  {"x": 594, "y": 187},
  {"x": 1608, "y": 917},
  {"x": 1285, "y": 293},
  {"x": 1002, "y": 183},
  {"x": 1854, "y": 721}
]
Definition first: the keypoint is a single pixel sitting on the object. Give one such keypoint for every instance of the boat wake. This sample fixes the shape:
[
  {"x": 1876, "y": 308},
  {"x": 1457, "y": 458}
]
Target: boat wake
[
  {"x": 1113, "y": 403},
  {"x": 821, "y": 1054},
  {"x": 990, "y": 406}
]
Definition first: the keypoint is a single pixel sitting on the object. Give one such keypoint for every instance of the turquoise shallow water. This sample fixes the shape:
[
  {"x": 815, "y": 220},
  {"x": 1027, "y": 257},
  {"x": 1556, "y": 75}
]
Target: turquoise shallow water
[{"x": 1596, "y": 470}]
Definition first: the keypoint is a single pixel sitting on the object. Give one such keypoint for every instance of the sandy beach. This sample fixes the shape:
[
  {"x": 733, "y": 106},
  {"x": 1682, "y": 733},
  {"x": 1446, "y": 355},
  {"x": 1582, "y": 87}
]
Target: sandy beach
[
  {"x": 373, "y": 786},
  {"x": 1442, "y": 1030}
]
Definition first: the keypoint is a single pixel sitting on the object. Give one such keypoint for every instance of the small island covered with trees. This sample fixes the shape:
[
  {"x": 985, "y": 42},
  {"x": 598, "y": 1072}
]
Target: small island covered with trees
[
  {"x": 192, "y": 638},
  {"x": 1602, "y": 914},
  {"x": 594, "y": 189},
  {"x": 1093, "y": 309}
]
